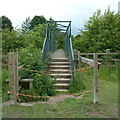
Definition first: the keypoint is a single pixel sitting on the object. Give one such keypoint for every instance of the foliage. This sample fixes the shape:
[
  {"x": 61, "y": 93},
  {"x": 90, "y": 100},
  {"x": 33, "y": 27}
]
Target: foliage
[
  {"x": 15, "y": 40},
  {"x": 4, "y": 85},
  {"x": 100, "y": 33},
  {"x": 77, "y": 107},
  {"x": 32, "y": 92},
  {"x": 60, "y": 40},
  {"x": 6, "y": 23},
  {"x": 37, "y": 20},
  {"x": 76, "y": 85},
  {"x": 26, "y": 25},
  {"x": 12, "y": 41},
  {"x": 43, "y": 84}
]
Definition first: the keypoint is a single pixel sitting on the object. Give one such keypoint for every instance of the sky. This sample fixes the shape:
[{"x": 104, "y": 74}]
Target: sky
[{"x": 76, "y": 11}]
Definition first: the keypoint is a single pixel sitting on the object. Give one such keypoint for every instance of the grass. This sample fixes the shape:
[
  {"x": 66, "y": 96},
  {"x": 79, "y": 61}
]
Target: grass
[
  {"x": 77, "y": 108},
  {"x": 4, "y": 85}
]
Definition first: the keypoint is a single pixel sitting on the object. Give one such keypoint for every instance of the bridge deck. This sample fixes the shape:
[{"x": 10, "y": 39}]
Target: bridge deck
[{"x": 59, "y": 54}]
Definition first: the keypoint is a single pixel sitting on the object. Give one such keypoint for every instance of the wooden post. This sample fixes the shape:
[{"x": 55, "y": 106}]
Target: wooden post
[
  {"x": 31, "y": 85},
  {"x": 95, "y": 78},
  {"x": 78, "y": 59},
  {"x": 13, "y": 75},
  {"x": 79, "y": 65},
  {"x": 107, "y": 57},
  {"x": 107, "y": 50}
]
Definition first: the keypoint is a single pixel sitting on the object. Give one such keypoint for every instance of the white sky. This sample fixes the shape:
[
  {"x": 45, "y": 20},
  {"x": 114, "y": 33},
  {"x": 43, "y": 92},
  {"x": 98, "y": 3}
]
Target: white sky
[{"x": 76, "y": 11}]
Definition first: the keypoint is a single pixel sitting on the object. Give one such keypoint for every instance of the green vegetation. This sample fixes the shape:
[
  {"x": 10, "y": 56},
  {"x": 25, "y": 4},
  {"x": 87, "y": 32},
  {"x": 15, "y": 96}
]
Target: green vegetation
[
  {"x": 6, "y": 23},
  {"x": 43, "y": 83},
  {"x": 37, "y": 20},
  {"x": 100, "y": 33},
  {"x": 4, "y": 85},
  {"x": 77, "y": 108},
  {"x": 77, "y": 85}
]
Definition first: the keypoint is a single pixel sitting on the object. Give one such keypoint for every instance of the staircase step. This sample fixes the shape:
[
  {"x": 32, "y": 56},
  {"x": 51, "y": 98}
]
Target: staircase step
[
  {"x": 60, "y": 63},
  {"x": 61, "y": 90},
  {"x": 60, "y": 66},
  {"x": 63, "y": 80},
  {"x": 60, "y": 60},
  {"x": 60, "y": 70},
  {"x": 61, "y": 84},
  {"x": 61, "y": 75}
]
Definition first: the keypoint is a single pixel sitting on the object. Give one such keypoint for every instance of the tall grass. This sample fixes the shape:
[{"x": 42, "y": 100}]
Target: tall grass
[{"x": 4, "y": 85}]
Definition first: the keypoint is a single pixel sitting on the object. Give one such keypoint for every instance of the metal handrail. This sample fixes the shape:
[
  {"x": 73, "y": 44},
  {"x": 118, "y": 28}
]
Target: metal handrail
[
  {"x": 68, "y": 48},
  {"x": 49, "y": 42}
]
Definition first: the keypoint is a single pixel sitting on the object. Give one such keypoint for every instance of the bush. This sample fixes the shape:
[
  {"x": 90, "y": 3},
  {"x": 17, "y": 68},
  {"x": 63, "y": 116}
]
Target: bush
[
  {"x": 42, "y": 84},
  {"x": 76, "y": 85},
  {"x": 32, "y": 92},
  {"x": 4, "y": 85}
]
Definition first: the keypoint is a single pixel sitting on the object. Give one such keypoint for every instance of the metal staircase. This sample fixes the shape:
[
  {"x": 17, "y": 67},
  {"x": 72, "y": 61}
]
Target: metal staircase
[{"x": 62, "y": 64}]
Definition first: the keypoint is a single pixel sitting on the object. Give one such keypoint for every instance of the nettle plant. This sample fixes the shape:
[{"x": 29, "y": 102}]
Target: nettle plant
[{"x": 30, "y": 57}]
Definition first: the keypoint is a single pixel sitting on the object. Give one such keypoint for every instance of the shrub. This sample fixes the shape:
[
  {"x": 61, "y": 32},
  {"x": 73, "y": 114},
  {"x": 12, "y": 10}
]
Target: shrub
[
  {"x": 42, "y": 84},
  {"x": 76, "y": 85},
  {"x": 4, "y": 85}
]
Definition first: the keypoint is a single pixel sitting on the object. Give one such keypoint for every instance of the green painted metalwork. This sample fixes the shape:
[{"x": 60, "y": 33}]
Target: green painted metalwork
[
  {"x": 54, "y": 28},
  {"x": 49, "y": 42},
  {"x": 68, "y": 48}
]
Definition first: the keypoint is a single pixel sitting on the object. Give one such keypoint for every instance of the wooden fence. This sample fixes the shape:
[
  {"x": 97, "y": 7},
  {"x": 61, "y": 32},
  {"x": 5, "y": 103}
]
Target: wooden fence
[
  {"x": 14, "y": 76},
  {"x": 96, "y": 65}
]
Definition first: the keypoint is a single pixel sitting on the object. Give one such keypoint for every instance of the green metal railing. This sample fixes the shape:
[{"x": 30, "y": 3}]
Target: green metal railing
[
  {"x": 53, "y": 27},
  {"x": 68, "y": 48},
  {"x": 49, "y": 41}
]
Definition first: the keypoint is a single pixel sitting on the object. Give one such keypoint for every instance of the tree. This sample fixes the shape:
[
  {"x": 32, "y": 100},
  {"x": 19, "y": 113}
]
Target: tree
[
  {"x": 6, "y": 23},
  {"x": 26, "y": 25},
  {"x": 51, "y": 19},
  {"x": 100, "y": 33},
  {"x": 37, "y": 20},
  {"x": 12, "y": 40}
]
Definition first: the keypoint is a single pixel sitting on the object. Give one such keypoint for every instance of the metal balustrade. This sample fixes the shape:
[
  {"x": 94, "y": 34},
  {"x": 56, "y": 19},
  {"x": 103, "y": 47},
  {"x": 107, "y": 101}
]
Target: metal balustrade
[{"x": 54, "y": 28}]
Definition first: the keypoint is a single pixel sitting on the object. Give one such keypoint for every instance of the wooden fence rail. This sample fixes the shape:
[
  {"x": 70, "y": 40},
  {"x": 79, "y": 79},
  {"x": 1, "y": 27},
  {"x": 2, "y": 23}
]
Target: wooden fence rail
[
  {"x": 96, "y": 65},
  {"x": 14, "y": 77}
]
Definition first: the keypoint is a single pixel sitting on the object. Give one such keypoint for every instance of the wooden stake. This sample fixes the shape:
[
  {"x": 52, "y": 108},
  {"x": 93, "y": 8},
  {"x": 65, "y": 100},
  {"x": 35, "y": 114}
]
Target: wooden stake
[
  {"x": 79, "y": 65},
  {"x": 13, "y": 75},
  {"x": 96, "y": 78}
]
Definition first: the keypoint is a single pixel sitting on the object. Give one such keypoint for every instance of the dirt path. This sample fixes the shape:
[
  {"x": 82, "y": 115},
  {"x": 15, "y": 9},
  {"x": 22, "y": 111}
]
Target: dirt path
[{"x": 52, "y": 100}]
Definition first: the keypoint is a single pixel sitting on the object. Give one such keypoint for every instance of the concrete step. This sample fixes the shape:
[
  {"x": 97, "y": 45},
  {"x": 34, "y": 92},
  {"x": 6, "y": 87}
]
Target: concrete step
[
  {"x": 60, "y": 60},
  {"x": 60, "y": 66},
  {"x": 60, "y": 75},
  {"x": 63, "y": 80},
  {"x": 60, "y": 71},
  {"x": 61, "y": 84},
  {"x": 61, "y": 90},
  {"x": 60, "y": 63}
]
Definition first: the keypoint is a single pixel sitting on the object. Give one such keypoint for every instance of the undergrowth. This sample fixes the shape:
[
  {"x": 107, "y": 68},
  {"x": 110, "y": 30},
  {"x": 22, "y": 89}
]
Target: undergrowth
[
  {"x": 4, "y": 85},
  {"x": 76, "y": 85},
  {"x": 42, "y": 82}
]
